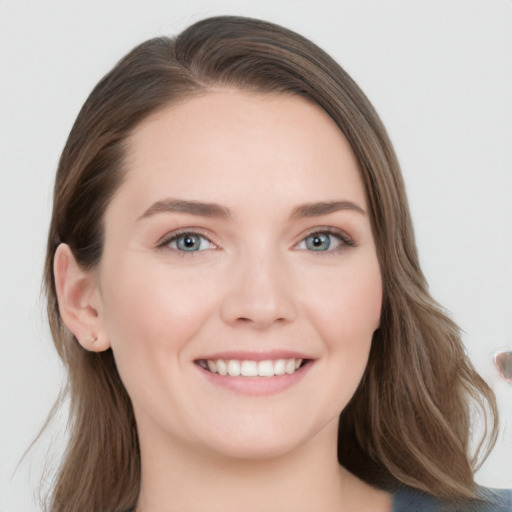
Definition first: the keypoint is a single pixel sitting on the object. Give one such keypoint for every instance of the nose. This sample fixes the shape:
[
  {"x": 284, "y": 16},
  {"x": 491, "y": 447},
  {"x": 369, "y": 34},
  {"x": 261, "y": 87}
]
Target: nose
[{"x": 259, "y": 294}]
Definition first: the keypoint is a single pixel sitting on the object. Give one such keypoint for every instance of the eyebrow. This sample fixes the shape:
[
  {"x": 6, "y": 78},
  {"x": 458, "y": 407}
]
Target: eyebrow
[
  {"x": 324, "y": 208},
  {"x": 191, "y": 207},
  {"x": 217, "y": 211}
]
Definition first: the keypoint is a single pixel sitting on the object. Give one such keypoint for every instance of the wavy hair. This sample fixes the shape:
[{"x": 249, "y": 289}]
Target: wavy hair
[{"x": 409, "y": 420}]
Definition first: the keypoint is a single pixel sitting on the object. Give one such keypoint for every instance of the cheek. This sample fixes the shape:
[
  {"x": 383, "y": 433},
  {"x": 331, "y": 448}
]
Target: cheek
[
  {"x": 345, "y": 316},
  {"x": 151, "y": 315},
  {"x": 349, "y": 310},
  {"x": 151, "y": 311}
]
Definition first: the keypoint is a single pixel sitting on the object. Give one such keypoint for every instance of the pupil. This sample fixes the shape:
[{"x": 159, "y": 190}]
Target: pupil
[
  {"x": 189, "y": 242},
  {"x": 320, "y": 242}
]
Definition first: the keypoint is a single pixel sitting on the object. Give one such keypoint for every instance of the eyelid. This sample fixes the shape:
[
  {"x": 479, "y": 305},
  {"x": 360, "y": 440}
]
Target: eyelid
[
  {"x": 345, "y": 239},
  {"x": 164, "y": 241}
]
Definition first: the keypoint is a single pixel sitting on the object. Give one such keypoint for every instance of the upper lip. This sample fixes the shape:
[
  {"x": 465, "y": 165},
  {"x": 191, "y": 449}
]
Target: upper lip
[{"x": 255, "y": 355}]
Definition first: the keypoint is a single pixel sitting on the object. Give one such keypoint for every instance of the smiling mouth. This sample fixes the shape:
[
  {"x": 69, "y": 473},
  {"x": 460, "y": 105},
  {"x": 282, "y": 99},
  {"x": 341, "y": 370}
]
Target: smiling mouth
[{"x": 248, "y": 368}]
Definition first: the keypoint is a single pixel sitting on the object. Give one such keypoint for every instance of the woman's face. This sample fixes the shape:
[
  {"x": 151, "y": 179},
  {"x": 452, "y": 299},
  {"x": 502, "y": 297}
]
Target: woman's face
[{"x": 240, "y": 241}]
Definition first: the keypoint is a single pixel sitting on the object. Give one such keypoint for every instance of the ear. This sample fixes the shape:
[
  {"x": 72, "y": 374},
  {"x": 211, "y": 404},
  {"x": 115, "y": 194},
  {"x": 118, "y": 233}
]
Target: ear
[{"x": 79, "y": 300}]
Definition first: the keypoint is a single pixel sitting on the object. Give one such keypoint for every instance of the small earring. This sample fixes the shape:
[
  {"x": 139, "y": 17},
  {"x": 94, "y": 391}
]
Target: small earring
[{"x": 92, "y": 338}]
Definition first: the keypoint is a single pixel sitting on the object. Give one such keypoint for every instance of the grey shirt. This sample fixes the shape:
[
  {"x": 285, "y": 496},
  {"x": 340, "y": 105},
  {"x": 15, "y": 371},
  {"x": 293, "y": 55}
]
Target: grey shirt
[{"x": 407, "y": 499}]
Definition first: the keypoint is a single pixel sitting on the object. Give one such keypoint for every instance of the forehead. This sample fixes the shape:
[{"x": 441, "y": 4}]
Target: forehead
[{"x": 215, "y": 144}]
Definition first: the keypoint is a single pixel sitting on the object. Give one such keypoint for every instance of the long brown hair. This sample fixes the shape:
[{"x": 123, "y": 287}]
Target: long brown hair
[{"x": 409, "y": 421}]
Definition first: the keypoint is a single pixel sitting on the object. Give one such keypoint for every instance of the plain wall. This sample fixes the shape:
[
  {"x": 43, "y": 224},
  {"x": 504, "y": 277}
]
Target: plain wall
[{"x": 439, "y": 73}]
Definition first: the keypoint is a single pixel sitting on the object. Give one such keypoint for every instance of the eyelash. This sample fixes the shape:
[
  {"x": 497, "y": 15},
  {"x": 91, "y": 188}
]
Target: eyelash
[
  {"x": 164, "y": 242},
  {"x": 344, "y": 239}
]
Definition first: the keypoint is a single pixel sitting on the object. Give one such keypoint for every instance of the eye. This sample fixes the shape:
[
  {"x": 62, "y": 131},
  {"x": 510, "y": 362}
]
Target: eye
[
  {"x": 320, "y": 242},
  {"x": 187, "y": 242},
  {"x": 324, "y": 241}
]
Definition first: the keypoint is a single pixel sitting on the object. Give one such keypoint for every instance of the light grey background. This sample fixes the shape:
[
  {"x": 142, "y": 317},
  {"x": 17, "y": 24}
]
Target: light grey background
[{"x": 438, "y": 71}]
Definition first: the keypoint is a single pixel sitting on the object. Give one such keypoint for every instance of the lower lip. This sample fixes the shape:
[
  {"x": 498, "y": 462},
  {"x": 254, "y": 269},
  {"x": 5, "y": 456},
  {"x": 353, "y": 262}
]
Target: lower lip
[{"x": 257, "y": 386}]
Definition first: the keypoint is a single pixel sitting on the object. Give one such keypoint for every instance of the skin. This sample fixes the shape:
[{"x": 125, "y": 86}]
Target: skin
[{"x": 255, "y": 285}]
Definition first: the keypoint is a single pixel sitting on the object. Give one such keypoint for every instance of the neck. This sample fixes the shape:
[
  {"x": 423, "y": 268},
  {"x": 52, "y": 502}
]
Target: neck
[{"x": 176, "y": 477}]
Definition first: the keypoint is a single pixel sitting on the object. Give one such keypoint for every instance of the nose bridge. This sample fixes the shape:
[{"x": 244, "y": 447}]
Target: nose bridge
[{"x": 259, "y": 291}]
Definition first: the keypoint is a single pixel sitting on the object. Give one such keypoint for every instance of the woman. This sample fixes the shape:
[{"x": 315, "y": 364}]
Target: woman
[{"x": 234, "y": 288}]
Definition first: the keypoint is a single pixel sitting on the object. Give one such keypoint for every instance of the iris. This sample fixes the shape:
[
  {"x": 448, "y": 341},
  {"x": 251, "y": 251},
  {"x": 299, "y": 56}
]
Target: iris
[
  {"x": 188, "y": 242},
  {"x": 318, "y": 242}
]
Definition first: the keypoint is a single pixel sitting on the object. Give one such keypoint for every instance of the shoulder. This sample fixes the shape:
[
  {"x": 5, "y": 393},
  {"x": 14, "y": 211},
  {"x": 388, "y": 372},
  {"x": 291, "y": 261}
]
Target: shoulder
[
  {"x": 407, "y": 499},
  {"x": 494, "y": 500}
]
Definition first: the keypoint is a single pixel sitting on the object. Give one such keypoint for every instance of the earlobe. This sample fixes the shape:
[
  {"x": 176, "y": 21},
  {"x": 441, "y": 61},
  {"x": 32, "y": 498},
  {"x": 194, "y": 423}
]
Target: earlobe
[{"x": 79, "y": 301}]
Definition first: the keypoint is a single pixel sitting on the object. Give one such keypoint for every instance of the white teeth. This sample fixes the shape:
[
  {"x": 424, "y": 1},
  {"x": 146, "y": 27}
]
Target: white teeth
[
  {"x": 290, "y": 366},
  {"x": 222, "y": 367},
  {"x": 265, "y": 369},
  {"x": 280, "y": 366},
  {"x": 247, "y": 368},
  {"x": 233, "y": 368}
]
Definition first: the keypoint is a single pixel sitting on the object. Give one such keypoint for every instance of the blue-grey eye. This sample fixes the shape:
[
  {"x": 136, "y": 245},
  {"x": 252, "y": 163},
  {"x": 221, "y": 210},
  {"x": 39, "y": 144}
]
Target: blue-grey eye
[
  {"x": 318, "y": 242},
  {"x": 324, "y": 241},
  {"x": 190, "y": 242}
]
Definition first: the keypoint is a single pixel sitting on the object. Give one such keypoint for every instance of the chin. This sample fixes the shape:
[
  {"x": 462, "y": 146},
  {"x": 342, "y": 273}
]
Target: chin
[
  {"x": 270, "y": 442},
  {"x": 257, "y": 449}
]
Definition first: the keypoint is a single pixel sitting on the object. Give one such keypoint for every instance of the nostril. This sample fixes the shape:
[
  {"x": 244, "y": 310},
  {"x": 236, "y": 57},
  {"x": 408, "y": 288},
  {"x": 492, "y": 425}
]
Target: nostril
[{"x": 503, "y": 362}]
